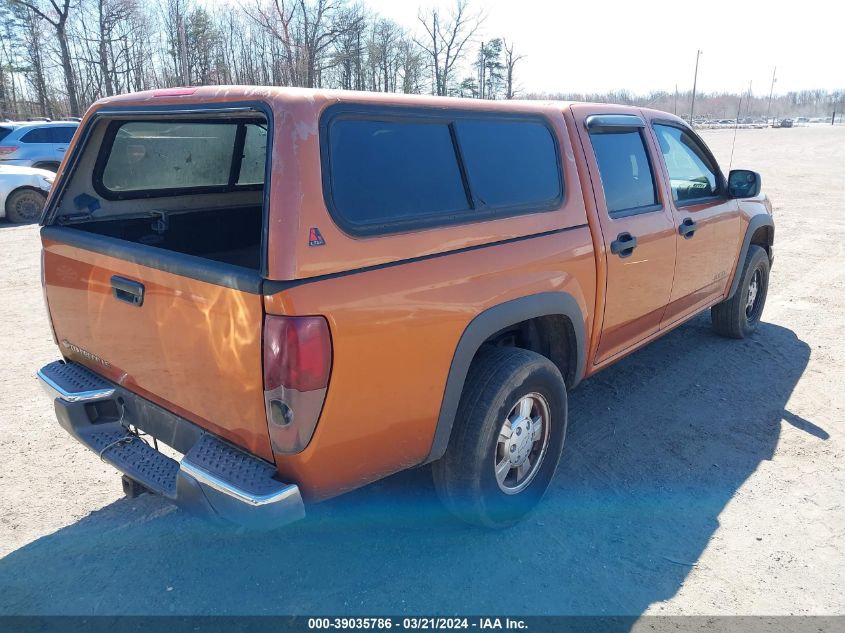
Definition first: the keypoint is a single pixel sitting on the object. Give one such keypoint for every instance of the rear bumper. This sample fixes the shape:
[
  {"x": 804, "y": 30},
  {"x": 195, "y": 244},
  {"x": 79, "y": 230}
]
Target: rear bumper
[{"x": 213, "y": 478}]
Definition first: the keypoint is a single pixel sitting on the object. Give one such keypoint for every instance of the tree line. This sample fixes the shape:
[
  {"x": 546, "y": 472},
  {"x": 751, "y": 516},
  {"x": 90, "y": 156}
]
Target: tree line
[{"x": 59, "y": 56}]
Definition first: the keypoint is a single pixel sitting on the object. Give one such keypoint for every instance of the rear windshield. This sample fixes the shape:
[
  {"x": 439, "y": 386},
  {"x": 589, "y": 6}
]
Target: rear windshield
[
  {"x": 146, "y": 158},
  {"x": 4, "y": 132}
]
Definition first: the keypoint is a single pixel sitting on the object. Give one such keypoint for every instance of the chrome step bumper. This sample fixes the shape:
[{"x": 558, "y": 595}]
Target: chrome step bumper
[
  {"x": 213, "y": 478},
  {"x": 73, "y": 383}
]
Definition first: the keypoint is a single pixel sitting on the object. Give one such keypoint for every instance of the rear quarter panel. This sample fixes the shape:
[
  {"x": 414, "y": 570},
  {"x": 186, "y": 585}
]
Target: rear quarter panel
[
  {"x": 396, "y": 320},
  {"x": 394, "y": 333}
]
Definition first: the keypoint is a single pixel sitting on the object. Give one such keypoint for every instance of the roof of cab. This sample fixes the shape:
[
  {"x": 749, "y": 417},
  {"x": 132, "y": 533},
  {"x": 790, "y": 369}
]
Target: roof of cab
[
  {"x": 280, "y": 97},
  {"x": 287, "y": 95}
]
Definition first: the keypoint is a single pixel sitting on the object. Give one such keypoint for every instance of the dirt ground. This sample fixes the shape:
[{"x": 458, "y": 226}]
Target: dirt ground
[{"x": 700, "y": 475}]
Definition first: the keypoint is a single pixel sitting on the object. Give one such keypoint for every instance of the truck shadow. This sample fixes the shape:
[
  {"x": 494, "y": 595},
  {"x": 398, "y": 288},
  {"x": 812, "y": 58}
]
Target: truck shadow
[{"x": 657, "y": 446}]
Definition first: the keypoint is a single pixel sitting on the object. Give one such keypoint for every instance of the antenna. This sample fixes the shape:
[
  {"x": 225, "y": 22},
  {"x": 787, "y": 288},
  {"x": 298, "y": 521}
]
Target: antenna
[
  {"x": 771, "y": 92},
  {"x": 736, "y": 121},
  {"x": 694, "y": 85},
  {"x": 736, "y": 127}
]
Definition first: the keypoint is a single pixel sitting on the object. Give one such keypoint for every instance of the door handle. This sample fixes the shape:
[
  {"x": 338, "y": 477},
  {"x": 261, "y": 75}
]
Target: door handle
[
  {"x": 687, "y": 228},
  {"x": 131, "y": 292},
  {"x": 623, "y": 245},
  {"x": 61, "y": 149}
]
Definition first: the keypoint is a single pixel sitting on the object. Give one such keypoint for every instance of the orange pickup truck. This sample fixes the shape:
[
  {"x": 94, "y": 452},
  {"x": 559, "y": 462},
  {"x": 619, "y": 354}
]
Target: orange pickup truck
[{"x": 300, "y": 292}]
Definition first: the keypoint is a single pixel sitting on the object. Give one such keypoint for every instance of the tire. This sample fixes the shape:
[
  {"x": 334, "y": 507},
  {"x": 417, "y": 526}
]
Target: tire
[
  {"x": 25, "y": 205},
  {"x": 499, "y": 381},
  {"x": 739, "y": 316}
]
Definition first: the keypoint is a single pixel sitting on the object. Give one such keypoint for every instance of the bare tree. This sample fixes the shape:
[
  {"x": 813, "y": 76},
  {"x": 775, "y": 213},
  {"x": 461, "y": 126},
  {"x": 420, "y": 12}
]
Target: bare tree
[
  {"x": 511, "y": 58},
  {"x": 411, "y": 65},
  {"x": 116, "y": 22},
  {"x": 175, "y": 17},
  {"x": 105, "y": 23},
  {"x": 384, "y": 54},
  {"x": 446, "y": 38},
  {"x": 56, "y": 14},
  {"x": 8, "y": 30},
  {"x": 349, "y": 47},
  {"x": 305, "y": 31},
  {"x": 35, "y": 50}
]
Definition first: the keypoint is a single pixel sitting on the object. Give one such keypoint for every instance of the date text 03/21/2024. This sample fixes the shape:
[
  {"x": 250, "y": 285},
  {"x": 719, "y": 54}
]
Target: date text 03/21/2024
[{"x": 417, "y": 623}]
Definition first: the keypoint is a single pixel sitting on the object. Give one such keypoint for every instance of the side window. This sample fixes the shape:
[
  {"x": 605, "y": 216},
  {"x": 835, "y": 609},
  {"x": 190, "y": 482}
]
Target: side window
[
  {"x": 254, "y": 156},
  {"x": 38, "y": 135},
  {"x": 387, "y": 172},
  {"x": 510, "y": 163},
  {"x": 62, "y": 134},
  {"x": 625, "y": 171},
  {"x": 390, "y": 169},
  {"x": 692, "y": 174}
]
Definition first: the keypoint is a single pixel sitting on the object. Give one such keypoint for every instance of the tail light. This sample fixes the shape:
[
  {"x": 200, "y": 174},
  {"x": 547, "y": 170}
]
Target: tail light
[
  {"x": 8, "y": 149},
  {"x": 297, "y": 364}
]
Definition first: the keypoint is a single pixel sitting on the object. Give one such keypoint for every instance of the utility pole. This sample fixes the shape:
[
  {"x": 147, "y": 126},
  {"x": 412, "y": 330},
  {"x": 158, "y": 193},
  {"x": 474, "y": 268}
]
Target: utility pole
[
  {"x": 771, "y": 92},
  {"x": 694, "y": 85}
]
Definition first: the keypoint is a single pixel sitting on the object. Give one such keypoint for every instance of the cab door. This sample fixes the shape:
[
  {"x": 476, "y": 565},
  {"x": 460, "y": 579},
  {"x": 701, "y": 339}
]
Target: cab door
[
  {"x": 637, "y": 228},
  {"x": 706, "y": 220}
]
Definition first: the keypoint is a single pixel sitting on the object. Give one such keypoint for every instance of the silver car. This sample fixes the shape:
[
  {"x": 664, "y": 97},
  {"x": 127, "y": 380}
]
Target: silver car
[
  {"x": 35, "y": 144},
  {"x": 23, "y": 192}
]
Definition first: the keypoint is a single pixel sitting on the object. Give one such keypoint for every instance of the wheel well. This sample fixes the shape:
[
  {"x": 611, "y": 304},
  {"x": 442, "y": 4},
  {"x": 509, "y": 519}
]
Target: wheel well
[
  {"x": 552, "y": 336},
  {"x": 764, "y": 236}
]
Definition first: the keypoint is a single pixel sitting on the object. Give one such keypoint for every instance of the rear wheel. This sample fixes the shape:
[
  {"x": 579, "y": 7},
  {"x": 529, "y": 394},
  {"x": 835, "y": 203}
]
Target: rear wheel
[
  {"x": 738, "y": 316},
  {"x": 24, "y": 206},
  {"x": 506, "y": 442}
]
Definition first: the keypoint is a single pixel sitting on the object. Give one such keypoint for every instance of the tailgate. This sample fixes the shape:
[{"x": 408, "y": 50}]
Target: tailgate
[{"x": 192, "y": 346}]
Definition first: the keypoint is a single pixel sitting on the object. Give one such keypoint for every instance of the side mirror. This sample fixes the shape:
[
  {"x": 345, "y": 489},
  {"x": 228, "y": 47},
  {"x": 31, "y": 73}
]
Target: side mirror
[{"x": 743, "y": 183}]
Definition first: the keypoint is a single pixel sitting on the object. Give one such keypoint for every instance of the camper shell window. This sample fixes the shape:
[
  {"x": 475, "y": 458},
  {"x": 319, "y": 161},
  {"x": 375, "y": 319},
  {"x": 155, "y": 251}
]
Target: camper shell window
[{"x": 153, "y": 158}]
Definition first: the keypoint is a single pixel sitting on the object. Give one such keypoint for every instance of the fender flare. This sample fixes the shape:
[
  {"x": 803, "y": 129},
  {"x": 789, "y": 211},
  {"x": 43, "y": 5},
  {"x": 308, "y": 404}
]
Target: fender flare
[
  {"x": 756, "y": 222},
  {"x": 485, "y": 325}
]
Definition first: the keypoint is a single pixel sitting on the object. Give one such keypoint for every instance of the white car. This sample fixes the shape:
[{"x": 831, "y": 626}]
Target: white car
[{"x": 23, "y": 192}]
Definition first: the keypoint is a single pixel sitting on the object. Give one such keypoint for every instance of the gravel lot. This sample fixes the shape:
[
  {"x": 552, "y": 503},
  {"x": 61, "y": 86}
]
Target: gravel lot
[{"x": 700, "y": 476}]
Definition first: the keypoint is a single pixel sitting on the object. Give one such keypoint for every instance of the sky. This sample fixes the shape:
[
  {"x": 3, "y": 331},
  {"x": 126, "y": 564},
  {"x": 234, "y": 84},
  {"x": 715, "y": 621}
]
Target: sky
[{"x": 602, "y": 45}]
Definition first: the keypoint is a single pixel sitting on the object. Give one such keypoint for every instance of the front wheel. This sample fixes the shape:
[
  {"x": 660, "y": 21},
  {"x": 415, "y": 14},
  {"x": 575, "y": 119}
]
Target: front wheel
[
  {"x": 738, "y": 316},
  {"x": 507, "y": 438}
]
